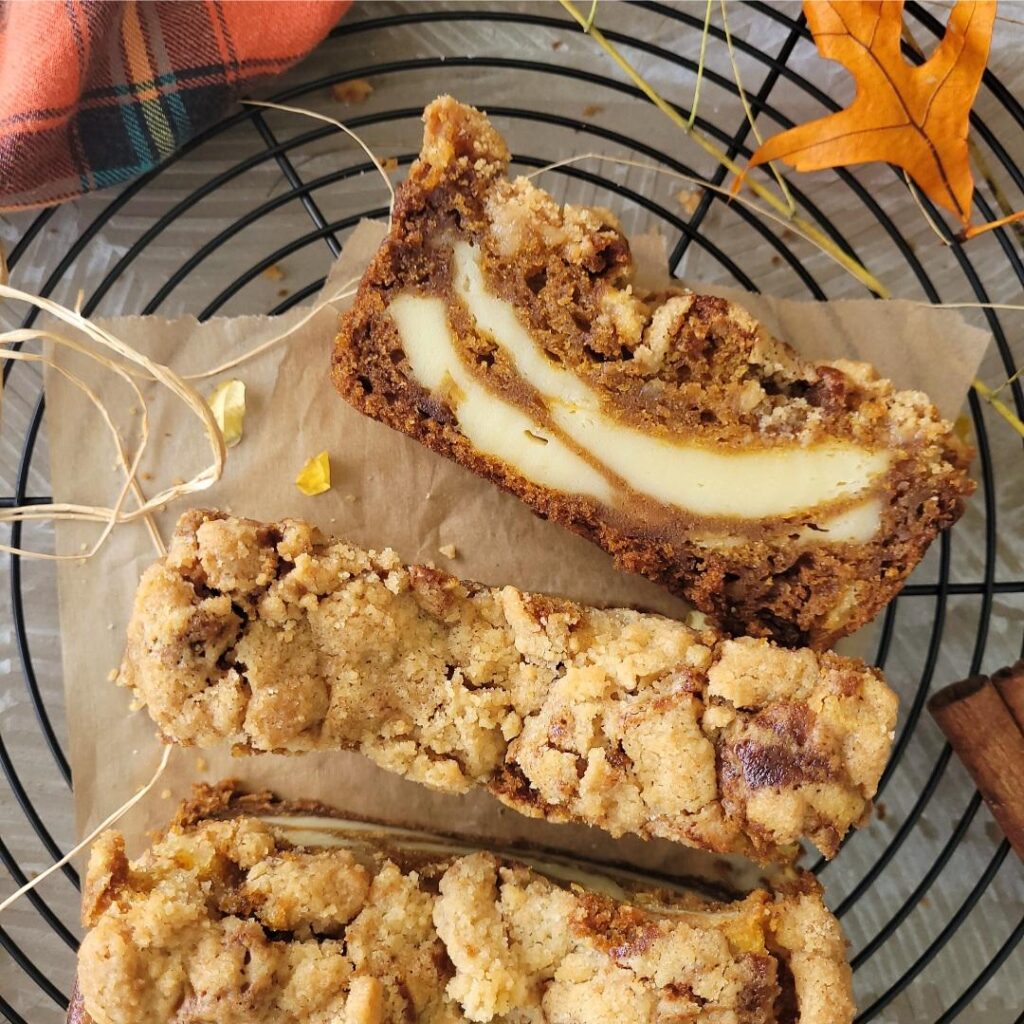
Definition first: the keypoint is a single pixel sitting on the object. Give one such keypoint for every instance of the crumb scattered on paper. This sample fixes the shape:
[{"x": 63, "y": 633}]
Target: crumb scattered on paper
[
  {"x": 689, "y": 199},
  {"x": 592, "y": 109},
  {"x": 390, "y": 163},
  {"x": 227, "y": 401},
  {"x": 448, "y": 550},
  {"x": 283, "y": 293},
  {"x": 273, "y": 273},
  {"x": 315, "y": 476},
  {"x": 358, "y": 90},
  {"x": 165, "y": 794}
]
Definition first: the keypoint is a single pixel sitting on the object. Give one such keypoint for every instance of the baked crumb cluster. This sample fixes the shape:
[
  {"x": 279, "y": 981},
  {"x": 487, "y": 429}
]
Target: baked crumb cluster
[
  {"x": 274, "y": 638},
  {"x": 673, "y": 365},
  {"x": 227, "y": 922}
]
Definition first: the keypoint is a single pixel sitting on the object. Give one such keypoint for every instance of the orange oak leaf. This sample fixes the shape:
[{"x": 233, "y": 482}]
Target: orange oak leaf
[{"x": 913, "y": 117}]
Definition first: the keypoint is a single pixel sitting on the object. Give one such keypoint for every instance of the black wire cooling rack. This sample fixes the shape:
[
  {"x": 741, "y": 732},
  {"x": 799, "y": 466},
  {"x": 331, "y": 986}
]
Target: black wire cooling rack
[{"x": 931, "y": 899}]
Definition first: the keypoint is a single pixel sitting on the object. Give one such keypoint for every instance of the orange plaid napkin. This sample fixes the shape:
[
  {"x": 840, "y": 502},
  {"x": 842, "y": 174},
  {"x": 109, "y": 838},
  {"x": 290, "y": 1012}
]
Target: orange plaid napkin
[{"x": 95, "y": 93}]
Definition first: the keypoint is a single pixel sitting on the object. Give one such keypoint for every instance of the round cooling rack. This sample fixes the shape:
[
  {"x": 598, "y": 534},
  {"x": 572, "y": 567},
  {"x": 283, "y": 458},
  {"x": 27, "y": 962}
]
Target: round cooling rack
[{"x": 929, "y": 894}]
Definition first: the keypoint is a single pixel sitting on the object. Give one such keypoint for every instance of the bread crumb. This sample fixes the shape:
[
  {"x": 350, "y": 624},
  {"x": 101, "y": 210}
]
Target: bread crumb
[
  {"x": 165, "y": 794},
  {"x": 390, "y": 163},
  {"x": 592, "y": 108},
  {"x": 357, "y": 90},
  {"x": 112, "y": 675},
  {"x": 448, "y": 550},
  {"x": 365, "y": 1001},
  {"x": 689, "y": 198},
  {"x": 273, "y": 273}
]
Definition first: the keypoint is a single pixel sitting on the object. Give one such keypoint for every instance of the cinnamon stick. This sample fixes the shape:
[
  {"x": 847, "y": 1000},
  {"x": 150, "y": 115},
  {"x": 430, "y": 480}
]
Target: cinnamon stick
[
  {"x": 982, "y": 718},
  {"x": 1010, "y": 684}
]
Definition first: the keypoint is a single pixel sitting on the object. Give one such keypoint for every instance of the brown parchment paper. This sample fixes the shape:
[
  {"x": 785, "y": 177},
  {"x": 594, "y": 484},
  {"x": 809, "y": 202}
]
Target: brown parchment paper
[{"x": 387, "y": 491}]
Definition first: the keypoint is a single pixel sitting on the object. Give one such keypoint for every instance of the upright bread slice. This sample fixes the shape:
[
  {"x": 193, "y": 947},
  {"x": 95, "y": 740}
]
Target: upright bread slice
[
  {"x": 246, "y": 911},
  {"x": 787, "y": 498},
  {"x": 273, "y": 638}
]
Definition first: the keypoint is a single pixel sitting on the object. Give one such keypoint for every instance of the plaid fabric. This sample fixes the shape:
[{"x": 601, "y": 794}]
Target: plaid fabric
[{"x": 94, "y": 93}]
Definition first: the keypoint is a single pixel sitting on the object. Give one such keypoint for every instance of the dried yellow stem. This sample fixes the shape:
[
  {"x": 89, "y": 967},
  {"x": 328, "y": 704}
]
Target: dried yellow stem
[
  {"x": 343, "y": 127},
  {"x": 103, "y": 339},
  {"x": 700, "y": 64},
  {"x": 989, "y": 396},
  {"x": 806, "y": 228},
  {"x": 97, "y": 831},
  {"x": 776, "y": 173}
]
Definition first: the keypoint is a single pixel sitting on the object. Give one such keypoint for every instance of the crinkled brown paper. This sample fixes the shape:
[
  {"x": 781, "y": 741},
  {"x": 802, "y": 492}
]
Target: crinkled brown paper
[{"x": 387, "y": 491}]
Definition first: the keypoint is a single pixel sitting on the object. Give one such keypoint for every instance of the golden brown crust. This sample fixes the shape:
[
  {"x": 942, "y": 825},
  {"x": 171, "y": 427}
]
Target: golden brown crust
[
  {"x": 273, "y": 638},
  {"x": 673, "y": 365},
  {"x": 231, "y": 919}
]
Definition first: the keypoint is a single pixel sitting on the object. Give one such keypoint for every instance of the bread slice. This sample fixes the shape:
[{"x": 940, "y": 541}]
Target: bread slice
[
  {"x": 246, "y": 909},
  {"x": 275, "y": 638},
  {"x": 787, "y": 498}
]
